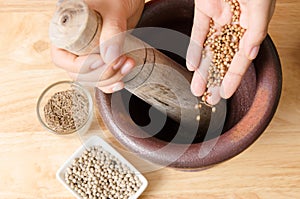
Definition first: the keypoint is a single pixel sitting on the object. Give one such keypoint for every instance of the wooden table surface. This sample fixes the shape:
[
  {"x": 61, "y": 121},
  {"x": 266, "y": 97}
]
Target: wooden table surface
[{"x": 30, "y": 156}]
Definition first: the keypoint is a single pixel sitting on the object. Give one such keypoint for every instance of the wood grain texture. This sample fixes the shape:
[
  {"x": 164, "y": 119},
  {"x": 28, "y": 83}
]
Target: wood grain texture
[{"x": 30, "y": 156}]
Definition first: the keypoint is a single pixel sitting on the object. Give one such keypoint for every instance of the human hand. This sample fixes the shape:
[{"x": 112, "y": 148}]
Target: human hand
[
  {"x": 117, "y": 17},
  {"x": 254, "y": 17}
]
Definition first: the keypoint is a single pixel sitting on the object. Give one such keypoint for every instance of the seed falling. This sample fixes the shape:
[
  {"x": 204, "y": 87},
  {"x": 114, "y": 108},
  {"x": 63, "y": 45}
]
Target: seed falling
[
  {"x": 98, "y": 174},
  {"x": 66, "y": 111},
  {"x": 213, "y": 109},
  {"x": 223, "y": 45}
]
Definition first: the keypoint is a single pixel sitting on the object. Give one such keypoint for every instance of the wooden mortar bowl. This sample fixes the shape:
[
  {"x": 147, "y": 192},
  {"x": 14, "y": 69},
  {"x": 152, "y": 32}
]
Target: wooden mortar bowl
[{"x": 249, "y": 110}]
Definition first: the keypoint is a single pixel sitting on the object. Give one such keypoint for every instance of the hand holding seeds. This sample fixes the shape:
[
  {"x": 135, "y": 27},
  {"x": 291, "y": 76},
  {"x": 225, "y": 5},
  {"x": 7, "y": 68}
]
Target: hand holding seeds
[
  {"x": 225, "y": 38},
  {"x": 117, "y": 17}
]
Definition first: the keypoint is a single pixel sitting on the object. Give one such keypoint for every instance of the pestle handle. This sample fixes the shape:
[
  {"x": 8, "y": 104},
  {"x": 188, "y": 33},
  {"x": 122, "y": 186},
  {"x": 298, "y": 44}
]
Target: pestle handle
[
  {"x": 156, "y": 79},
  {"x": 75, "y": 28}
]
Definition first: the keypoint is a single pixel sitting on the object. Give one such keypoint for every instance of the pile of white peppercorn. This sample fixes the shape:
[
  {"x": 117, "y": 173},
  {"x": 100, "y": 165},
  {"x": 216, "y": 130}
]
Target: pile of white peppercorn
[{"x": 98, "y": 174}]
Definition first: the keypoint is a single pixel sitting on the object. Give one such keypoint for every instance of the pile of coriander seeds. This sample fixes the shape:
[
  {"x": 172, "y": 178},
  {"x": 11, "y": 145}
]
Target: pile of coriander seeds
[
  {"x": 66, "y": 111},
  {"x": 223, "y": 46},
  {"x": 98, "y": 174}
]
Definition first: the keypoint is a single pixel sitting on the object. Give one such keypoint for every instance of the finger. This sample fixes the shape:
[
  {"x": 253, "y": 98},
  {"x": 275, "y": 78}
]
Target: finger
[
  {"x": 244, "y": 13},
  {"x": 202, "y": 72},
  {"x": 233, "y": 77},
  {"x": 95, "y": 78},
  {"x": 222, "y": 15},
  {"x": 215, "y": 97},
  {"x": 73, "y": 63},
  {"x": 198, "y": 36},
  {"x": 198, "y": 84},
  {"x": 100, "y": 83},
  {"x": 218, "y": 10},
  {"x": 111, "y": 69},
  {"x": 258, "y": 20},
  {"x": 112, "y": 88},
  {"x": 124, "y": 70},
  {"x": 112, "y": 37},
  {"x": 199, "y": 81}
]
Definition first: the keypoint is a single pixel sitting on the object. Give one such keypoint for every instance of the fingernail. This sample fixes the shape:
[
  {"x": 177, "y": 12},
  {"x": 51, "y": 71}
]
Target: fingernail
[
  {"x": 117, "y": 87},
  {"x": 112, "y": 53},
  {"x": 119, "y": 63},
  {"x": 126, "y": 68},
  {"x": 253, "y": 52},
  {"x": 222, "y": 92},
  {"x": 190, "y": 67},
  {"x": 97, "y": 64}
]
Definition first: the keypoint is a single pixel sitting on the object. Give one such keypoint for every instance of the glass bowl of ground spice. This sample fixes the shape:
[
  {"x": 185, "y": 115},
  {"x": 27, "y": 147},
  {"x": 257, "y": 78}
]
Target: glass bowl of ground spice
[{"x": 65, "y": 107}]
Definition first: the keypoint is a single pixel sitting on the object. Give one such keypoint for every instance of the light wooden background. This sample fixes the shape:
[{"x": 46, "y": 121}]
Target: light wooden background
[{"x": 30, "y": 156}]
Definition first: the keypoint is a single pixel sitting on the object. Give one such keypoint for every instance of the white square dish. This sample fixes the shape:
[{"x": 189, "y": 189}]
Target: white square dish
[{"x": 97, "y": 141}]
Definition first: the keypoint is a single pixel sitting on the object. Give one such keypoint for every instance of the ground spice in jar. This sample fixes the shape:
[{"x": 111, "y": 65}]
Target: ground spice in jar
[
  {"x": 223, "y": 45},
  {"x": 66, "y": 111},
  {"x": 98, "y": 174}
]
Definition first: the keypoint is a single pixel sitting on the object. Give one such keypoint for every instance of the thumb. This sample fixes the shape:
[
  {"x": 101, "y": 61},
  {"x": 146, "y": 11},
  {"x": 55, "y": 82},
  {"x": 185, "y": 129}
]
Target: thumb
[
  {"x": 258, "y": 20},
  {"x": 112, "y": 38}
]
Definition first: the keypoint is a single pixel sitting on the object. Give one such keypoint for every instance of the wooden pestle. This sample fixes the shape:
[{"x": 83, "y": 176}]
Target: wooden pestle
[{"x": 156, "y": 79}]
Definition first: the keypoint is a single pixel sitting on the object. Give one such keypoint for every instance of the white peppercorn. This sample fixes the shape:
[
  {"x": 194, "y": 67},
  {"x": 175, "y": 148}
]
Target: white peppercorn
[{"x": 98, "y": 174}]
